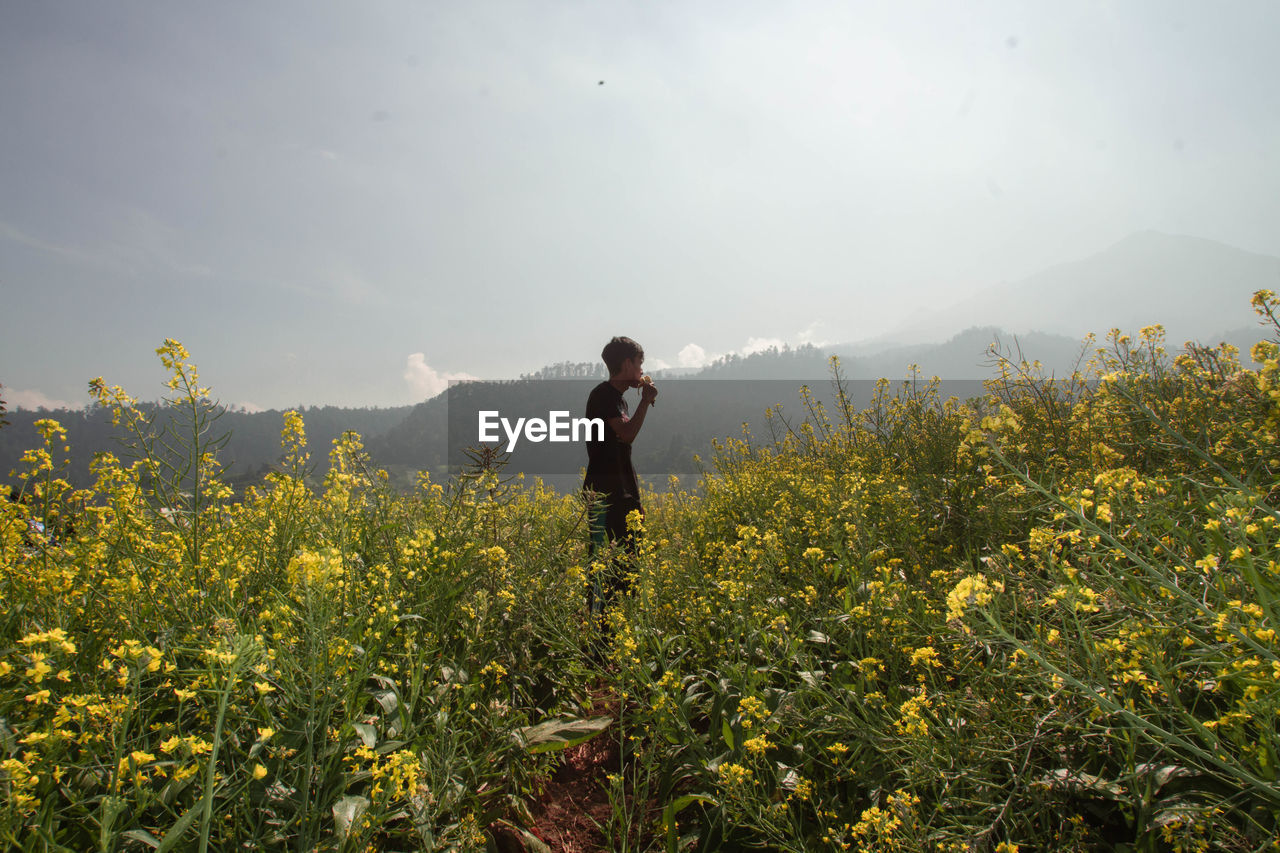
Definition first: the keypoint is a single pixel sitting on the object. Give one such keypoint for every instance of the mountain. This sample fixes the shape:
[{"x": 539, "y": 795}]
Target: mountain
[
  {"x": 1193, "y": 286},
  {"x": 1242, "y": 339},
  {"x": 802, "y": 362},
  {"x": 964, "y": 356}
]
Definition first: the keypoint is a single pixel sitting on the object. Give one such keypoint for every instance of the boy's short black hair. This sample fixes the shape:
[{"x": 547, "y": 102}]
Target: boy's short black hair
[{"x": 619, "y": 350}]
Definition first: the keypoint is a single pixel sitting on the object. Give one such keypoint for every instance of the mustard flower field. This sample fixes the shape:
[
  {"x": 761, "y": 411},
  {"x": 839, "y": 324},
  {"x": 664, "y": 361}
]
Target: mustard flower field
[{"x": 1044, "y": 620}]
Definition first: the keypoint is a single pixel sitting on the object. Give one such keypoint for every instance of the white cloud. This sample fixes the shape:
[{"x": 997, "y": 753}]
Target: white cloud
[
  {"x": 761, "y": 344},
  {"x": 425, "y": 380},
  {"x": 809, "y": 335},
  {"x": 693, "y": 356},
  {"x": 246, "y": 406},
  {"x": 33, "y": 399}
]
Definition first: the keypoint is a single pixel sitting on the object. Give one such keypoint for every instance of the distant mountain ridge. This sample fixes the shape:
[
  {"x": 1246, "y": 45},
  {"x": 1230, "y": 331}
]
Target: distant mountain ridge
[
  {"x": 1194, "y": 287},
  {"x": 966, "y": 355}
]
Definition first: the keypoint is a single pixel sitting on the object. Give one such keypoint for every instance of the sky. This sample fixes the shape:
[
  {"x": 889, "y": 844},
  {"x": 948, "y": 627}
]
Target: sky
[{"x": 352, "y": 204}]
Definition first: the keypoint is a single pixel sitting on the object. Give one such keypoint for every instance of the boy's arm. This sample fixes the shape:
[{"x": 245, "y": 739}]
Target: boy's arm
[{"x": 628, "y": 428}]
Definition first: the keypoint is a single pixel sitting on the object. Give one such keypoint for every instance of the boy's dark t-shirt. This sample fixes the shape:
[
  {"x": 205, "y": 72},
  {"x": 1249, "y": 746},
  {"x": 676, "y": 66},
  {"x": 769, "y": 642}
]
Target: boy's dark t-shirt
[{"x": 609, "y": 469}]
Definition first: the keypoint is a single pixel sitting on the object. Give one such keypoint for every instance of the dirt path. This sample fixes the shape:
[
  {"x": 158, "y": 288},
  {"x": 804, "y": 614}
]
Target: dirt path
[{"x": 575, "y": 802}]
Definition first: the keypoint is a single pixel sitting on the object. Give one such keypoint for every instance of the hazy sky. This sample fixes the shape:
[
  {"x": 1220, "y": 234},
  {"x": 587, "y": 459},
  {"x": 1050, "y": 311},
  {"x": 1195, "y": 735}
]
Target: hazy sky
[{"x": 349, "y": 203}]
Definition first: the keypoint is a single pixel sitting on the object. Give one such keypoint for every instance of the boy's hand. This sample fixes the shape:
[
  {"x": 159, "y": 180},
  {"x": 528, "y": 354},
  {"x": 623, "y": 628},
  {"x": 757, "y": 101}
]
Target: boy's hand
[{"x": 648, "y": 391}]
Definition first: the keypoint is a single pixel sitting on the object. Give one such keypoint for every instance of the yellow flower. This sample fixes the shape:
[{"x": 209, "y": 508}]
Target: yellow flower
[
  {"x": 752, "y": 708},
  {"x": 494, "y": 668},
  {"x": 37, "y": 672},
  {"x": 198, "y": 745},
  {"x": 732, "y": 775},
  {"x": 912, "y": 722},
  {"x": 259, "y": 771},
  {"x": 925, "y": 655},
  {"x": 803, "y": 791},
  {"x": 975, "y": 589}
]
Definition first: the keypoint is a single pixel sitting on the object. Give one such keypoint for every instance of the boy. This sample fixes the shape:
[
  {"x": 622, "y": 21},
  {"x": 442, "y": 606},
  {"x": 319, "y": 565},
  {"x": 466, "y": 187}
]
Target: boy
[{"x": 610, "y": 475}]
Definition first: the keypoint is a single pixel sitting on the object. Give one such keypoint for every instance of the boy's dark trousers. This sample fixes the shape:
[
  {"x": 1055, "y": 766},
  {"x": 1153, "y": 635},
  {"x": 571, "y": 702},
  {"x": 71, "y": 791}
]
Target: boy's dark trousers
[{"x": 608, "y": 521}]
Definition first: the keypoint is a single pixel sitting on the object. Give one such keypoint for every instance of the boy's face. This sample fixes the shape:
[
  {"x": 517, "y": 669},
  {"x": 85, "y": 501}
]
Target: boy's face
[{"x": 631, "y": 371}]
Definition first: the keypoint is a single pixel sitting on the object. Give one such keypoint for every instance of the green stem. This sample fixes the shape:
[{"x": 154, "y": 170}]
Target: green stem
[{"x": 211, "y": 772}]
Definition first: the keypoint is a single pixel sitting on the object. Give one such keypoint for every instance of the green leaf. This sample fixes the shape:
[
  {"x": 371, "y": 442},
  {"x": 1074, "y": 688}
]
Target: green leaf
[
  {"x": 387, "y": 699},
  {"x": 1179, "y": 809},
  {"x": 142, "y": 836},
  {"x": 673, "y": 808},
  {"x": 173, "y": 837},
  {"x": 727, "y": 731},
  {"x": 812, "y": 677},
  {"x": 174, "y": 787},
  {"x": 389, "y": 746},
  {"x": 1075, "y": 781},
  {"x": 1161, "y": 775},
  {"x": 532, "y": 843},
  {"x": 367, "y": 733},
  {"x": 347, "y": 812},
  {"x": 560, "y": 733},
  {"x": 111, "y": 808}
]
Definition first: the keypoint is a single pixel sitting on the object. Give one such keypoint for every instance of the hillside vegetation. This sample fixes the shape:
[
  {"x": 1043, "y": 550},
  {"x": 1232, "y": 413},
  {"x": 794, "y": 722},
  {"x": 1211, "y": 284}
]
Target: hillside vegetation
[{"x": 1040, "y": 620}]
